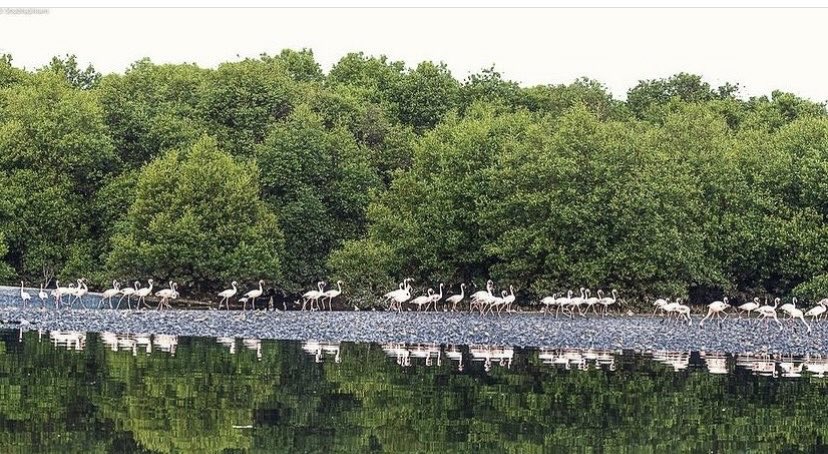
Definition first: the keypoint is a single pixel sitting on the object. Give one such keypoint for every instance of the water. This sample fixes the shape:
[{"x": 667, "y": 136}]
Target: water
[{"x": 71, "y": 392}]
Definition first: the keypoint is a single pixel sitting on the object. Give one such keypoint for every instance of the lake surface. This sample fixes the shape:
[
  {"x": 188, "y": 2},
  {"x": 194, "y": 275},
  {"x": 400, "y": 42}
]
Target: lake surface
[{"x": 69, "y": 392}]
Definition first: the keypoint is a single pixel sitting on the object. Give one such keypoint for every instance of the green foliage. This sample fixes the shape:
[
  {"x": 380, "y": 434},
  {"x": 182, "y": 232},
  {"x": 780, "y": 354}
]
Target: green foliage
[
  {"x": 425, "y": 95},
  {"x": 240, "y": 100},
  {"x": 152, "y": 109},
  {"x": 6, "y": 271},
  {"x": 318, "y": 179},
  {"x": 67, "y": 68},
  {"x": 197, "y": 218},
  {"x": 378, "y": 171}
]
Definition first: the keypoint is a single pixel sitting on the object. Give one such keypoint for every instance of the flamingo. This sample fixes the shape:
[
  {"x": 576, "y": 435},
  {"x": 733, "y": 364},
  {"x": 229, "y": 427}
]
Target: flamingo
[
  {"x": 548, "y": 301},
  {"x": 43, "y": 296},
  {"x": 109, "y": 293},
  {"x": 435, "y": 298},
  {"x": 607, "y": 301},
  {"x": 590, "y": 301},
  {"x": 397, "y": 297},
  {"x": 768, "y": 311},
  {"x": 313, "y": 295},
  {"x": 786, "y": 308},
  {"x": 563, "y": 303},
  {"x": 59, "y": 291},
  {"x": 331, "y": 294},
  {"x": 24, "y": 296},
  {"x": 797, "y": 313},
  {"x": 477, "y": 298},
  {"x": 659, "y": 304},
  {"x": 128, "y": 292},
  {"x": 749, "y": 307},
  {"x": 498, "y": 302},
  {"x": 80, "y": 290},
  {"x": 716, "y": 308},
  {"x": 577, "y": 301},
  {"x": 166, "y": 294},
  {"x": 253, "y": 294},
  {"x": 401, "y": 297},
  {"x": 142, "y": 294},
  {"x": 454, "y": 299},
  {"x": 816, "y": 311},
  {"x": 510, "y": 298},
  {"x": 422, "y": 299},
  {"x": 227, "y": 294},
  {"x": 682, "y": 310}
]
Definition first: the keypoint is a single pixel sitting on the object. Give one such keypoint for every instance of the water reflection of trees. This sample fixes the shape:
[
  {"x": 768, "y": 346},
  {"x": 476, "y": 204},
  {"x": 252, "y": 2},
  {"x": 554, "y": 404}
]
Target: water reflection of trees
[{"x": 124, "y": 392}]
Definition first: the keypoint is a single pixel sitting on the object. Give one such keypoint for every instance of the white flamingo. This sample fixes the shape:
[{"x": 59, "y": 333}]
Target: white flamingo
[
  {"x": 435, "y": 298},
  {"x": 313, "y": 295},
  {"x": 109, "y": 294},
  {"x": 454, "y": 299},
  {"x": 749, "y": 307},
  {"x": 510, "y": 298},
  {"x": 479, "y": 297},
  {"x": 797, "y": 314},
  {"x": 607, "y": 301},
  {"x": 548, "y": 301},
  {"x": 166, "y": 294},
  {"x": 716, "y": 308},
  {"x": 590, "y": 302},
  {"x": 398, "y": 298},
  {"x": 422, "y": 299},
  {"x": 142, "y": 293},
  {"x": 227, "y": 294},
  {"x": 24, "y": 296},
  {"x": 659, "y": 305},
  {"x": 59, "y": 291},
  {"x": 768, "y": 311},
  {"x": 563, "y": 303},
  {"x": 331, "y": 294},
  {"x": 252, "y": 295},
  {"x": 683, "y": 310},
  {"x": 80, "y": 291},
  {"x": 128, "y": 292},
  {"x": 43, "y": 296},
  {"x": 816, "y": 311}
]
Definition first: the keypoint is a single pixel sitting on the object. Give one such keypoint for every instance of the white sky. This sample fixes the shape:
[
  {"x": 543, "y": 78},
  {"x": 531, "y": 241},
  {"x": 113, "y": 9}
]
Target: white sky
[{"x": 762, "y": 49}]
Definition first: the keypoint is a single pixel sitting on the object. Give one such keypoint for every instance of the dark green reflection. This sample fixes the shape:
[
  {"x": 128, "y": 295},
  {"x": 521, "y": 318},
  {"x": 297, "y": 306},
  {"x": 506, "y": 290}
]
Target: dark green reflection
[{"x": 107, "y": 393}]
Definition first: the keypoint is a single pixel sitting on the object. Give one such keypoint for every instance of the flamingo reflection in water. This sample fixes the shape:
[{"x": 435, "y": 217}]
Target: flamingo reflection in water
[
  {"x": 69, "y": 339},
  {"x": 321, "y": 349},
  {"x": 489, "y": 353}
]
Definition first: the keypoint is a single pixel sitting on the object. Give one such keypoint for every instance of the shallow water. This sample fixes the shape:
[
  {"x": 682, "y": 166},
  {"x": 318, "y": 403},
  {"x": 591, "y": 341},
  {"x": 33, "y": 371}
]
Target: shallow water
[{"x": 68, "y": 392}]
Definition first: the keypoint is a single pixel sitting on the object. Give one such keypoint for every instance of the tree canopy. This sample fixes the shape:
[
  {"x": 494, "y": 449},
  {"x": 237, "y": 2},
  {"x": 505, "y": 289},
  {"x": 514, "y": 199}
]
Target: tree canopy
[{"x": 270, "y": 167}]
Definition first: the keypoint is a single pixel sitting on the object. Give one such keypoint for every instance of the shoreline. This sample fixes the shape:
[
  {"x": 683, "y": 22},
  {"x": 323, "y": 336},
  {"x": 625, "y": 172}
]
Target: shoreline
[{"x": 641, "y": 333}]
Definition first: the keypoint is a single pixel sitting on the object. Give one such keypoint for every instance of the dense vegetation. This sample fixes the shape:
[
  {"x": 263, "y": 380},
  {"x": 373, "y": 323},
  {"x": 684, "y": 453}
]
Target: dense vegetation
[
  {"x": 97, "y": 400},
  {"x": 270, "y": 168}
]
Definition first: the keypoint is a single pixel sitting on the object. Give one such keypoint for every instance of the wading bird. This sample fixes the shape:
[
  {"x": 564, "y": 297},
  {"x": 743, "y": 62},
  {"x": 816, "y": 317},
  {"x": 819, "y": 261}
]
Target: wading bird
[
  {"x": 766, "y": 311},
  {"x": 716, "y": 308},
  {"x": 142, "y": 294},
  {"x": 128, "y": 292},
  {"x": 313, "y": 295},
  {"x": 331, "y": 294},
  {"x": 749, "y": 307},
  {"x": 166, "y": 294},
  {"x": 227, "y": 294},
  {"x": 24, "y": 296},
  {"x": 109, "y": 294},
  {"x": 454, "y": 299},
  {"x": 607, "y": 301},
  {"x": 252, "y": 295},
  {"x": 43, "y": 296},
  {"x": 423, "y": 299},
  {"x": 435, "y": 298}
]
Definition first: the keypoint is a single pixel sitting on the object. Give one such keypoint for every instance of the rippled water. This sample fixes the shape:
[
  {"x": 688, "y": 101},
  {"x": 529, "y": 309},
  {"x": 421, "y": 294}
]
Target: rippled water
[{"x": 66, "y": 391}]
